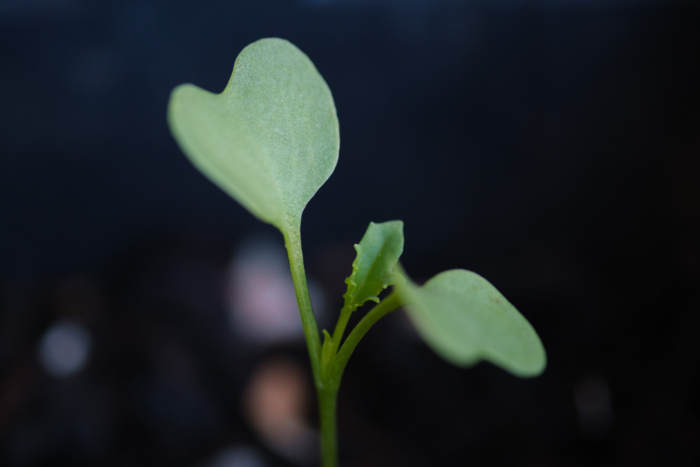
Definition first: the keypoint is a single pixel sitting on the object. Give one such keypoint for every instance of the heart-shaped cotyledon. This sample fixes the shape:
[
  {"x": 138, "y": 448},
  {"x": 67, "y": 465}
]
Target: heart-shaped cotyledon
[
  {"x": 270, "y": 139},
  {"x": 465, "y": 320}
]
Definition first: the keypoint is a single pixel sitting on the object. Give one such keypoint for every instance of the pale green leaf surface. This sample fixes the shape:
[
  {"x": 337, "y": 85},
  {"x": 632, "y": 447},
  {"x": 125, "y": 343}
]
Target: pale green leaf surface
[
  {"x": 372, "y": 271},
  {"x": 270, "y": 139},
  {"x": 465, "y": 319}
]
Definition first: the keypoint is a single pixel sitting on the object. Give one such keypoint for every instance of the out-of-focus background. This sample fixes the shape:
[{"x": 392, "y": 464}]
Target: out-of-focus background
[{"x": 552, "y": 146}]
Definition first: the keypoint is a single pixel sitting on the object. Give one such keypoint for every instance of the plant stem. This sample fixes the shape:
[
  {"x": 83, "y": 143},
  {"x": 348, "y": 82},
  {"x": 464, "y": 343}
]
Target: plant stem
[
  {"x": 328, "y": 401},
  {"x": 345, "y": 314},
  {"x": 292, "y": 240},
  {"x": 389, "y": 304},
  {"x": 327, "y": 378}
]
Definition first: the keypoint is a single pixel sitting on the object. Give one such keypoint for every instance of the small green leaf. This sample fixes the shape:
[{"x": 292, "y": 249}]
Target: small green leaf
[
  {"x": 465, "y": 320},
  {"x": 372, "y": 271},
  {"x": 326, "y": 348},
  {"x": 270, "y": 139}
]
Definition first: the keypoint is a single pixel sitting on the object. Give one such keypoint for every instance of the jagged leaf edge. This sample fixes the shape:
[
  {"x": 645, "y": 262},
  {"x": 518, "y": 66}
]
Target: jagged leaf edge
[{"x": 352, "y": 285}]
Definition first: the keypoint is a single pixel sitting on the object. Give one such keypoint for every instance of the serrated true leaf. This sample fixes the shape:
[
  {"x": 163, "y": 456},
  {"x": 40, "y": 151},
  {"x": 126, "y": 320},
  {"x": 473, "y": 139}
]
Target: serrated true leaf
[
  {"x": 372, "y": 271},
  {"x": 270, "y": 139},
  {"x": 465, "y": 319}
]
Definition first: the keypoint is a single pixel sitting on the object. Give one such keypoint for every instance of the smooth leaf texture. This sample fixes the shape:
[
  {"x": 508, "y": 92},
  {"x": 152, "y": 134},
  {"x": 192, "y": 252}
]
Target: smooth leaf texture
[
  {"x": 270, "y": 139},
  {"x": 465, "y": 319},
  {"x": 372, "y": 271}
]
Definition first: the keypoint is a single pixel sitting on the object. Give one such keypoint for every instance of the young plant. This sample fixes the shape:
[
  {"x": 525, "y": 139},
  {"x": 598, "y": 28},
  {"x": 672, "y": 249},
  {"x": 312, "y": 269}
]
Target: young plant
[{"x": 270, "y": 140}]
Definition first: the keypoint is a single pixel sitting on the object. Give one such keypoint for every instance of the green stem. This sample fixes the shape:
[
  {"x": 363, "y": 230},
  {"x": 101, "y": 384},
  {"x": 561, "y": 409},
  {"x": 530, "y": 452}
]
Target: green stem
[
  {"x": 389, "y": 304},
  {"x": 327, "y": 379},
  {"x": 292, "y": 240},
  {"x": 345, "y": 314},
  {"x": 328, "y": 401},
  {"x": 333, "y": 372}
]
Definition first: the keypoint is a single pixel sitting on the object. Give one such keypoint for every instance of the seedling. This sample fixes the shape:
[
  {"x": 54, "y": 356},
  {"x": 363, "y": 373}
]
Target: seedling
[{"x": 270, "y": 140}]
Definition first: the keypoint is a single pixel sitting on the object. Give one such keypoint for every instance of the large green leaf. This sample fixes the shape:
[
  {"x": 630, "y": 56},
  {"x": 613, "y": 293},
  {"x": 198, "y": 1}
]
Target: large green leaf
[
  {"x": 270, "y": 139},
  {"x": 372, "y": 271},
  {"x": 465, "y": 319}
]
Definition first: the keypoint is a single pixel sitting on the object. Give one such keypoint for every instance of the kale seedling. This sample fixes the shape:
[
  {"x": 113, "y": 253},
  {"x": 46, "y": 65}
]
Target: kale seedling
[{"x": 270, "y": 140}]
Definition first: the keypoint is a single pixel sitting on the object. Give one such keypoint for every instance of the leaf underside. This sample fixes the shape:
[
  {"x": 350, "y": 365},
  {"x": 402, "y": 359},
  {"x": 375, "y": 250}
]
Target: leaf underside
[
  {"x": 465, "y": 319},
  {"x": 270, "y": 139}
]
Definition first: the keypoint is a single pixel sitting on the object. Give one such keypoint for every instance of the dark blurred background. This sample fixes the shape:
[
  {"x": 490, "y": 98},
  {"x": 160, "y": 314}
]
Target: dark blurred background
[{"x": 551, "y": 146}]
